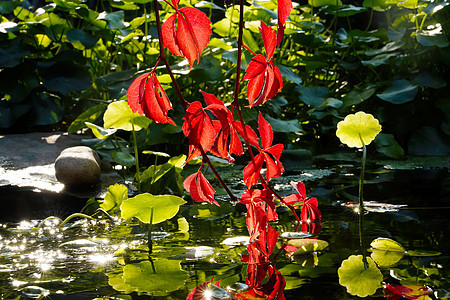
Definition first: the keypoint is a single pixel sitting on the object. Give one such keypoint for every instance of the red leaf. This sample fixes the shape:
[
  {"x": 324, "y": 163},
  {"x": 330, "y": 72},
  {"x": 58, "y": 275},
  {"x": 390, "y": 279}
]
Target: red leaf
[
  {"x": 295, "y": 198},
  {"x": 265, "y": 79},
  {"x": 147, "y": 97},
  {"x": 189, "y": 36},
  {"x": 265, "y": 132},
  {"x": 284, "y": 9},
  {"x": 200, "y": 188},
  {"x": 252, "y": 170},
  {"x": 269, "y": 37},
  {"x": 198, "y": 127}
]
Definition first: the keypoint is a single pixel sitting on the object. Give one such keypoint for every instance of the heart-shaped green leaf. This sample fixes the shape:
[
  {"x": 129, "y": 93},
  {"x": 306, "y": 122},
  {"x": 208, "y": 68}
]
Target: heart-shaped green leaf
[{"x": 164, "y": 207}]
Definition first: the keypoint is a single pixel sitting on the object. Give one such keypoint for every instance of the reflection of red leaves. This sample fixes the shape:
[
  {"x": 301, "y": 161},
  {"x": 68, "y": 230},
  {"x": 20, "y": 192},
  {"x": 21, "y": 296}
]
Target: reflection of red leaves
[
  {"x": 186, "y": 33},
  {"x": 413, "y": 292},
  {"x": 264, "y": 77},
  {"x": 268, "y": 154},
  {"x": 200, "y": 188},
  {"x": 147, "y": 97}
]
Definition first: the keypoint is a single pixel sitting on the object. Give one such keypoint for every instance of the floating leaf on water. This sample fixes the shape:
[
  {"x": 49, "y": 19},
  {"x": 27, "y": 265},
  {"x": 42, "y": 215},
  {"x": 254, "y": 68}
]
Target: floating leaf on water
[
  {"x": 236, "y": 240},
  {"x": 358, "y": 279},
  {"x": 373, "y": 206},
  {"x": 307, "y": 245},
  {"x": 386, "y": 252},
  {"x": 82, "y": 243},
  {"x": 296, "y": 235}
]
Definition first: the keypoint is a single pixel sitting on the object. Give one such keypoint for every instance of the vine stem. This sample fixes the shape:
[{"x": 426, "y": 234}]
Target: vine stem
[
  {"x": 136, "y": 158},
  {"x": 183, "y": 102}
]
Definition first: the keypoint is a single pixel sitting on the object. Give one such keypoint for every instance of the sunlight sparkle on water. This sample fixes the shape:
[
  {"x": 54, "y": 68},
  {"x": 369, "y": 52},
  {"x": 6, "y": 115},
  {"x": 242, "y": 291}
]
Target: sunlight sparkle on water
[
  {"x": 101, "y": 258},
  {"x": 207, "y": 294}
]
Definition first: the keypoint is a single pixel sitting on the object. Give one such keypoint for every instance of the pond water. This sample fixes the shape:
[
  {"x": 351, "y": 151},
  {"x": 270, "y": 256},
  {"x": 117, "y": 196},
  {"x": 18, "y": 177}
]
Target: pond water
[{"x": 108, "y": 258}]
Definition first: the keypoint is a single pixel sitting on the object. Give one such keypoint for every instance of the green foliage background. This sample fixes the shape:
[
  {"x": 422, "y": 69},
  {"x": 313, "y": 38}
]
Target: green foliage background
[{"x": 62, "y": 63}]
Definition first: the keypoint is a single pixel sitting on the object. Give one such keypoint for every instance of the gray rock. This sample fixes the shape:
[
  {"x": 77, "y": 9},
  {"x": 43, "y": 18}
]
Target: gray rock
[{"x": 77, "y": 166}]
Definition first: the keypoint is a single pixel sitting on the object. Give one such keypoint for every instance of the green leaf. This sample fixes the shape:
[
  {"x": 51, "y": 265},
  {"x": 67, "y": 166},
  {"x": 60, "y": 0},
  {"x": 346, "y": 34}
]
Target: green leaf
[
  {"x": 347, "y": 10},
  {"x": 89, "y": 115},
  {"x": 114, "y": 197},
  {"x": 80, "y": 39},
  {"x": 313, "y": 96},
  {"x": 100, "y": 132},
  {"x": 401, "y": 91},
  {"x": 430, "y": 80},
  {"x": 7, "y": 7},
  {"x": 123, "y": 158},
  {"x": 411, "y": 4},
  {"x": 426, "y": 38},
  {"x": 358, "y": 279},
  {"x": 156, "y": 153},
  {"x": 308, "y": 245},
  {"x": 429, "y": 141},
  {"x": 118, "y": 115},
  {"x": 207, "y": 4},
  {"x": 356, "y": 97},
  {"x": 316, "y": 3},
  {"x": 12, "y": 55},
  {"x": 164, "y": 207},
  {"x": 289, "y": 74},
  {"x": 47, "y": 108},
  {"x": 284, "y": 125},
  {"x": 387, "y": 145},
  {"x": 379, "y": 60},
  {"x": 386, "y": 252}
]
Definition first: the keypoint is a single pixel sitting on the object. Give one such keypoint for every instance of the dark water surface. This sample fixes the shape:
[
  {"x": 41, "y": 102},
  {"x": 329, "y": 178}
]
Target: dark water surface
[{"x": 108, "y": 259}]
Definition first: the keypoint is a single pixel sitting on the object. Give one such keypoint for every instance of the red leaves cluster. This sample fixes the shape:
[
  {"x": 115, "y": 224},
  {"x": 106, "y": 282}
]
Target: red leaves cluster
[
  {"x": 187, "y": 32},
  {"x": 147, "y": 97},
  {"x": 264, "y": 77}
]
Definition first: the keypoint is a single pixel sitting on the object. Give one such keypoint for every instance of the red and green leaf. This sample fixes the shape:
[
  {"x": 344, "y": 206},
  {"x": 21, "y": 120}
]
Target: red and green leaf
[{"x": 147, "y": 97}]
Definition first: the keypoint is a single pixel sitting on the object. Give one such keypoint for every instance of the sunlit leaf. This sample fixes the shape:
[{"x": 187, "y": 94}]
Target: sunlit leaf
[
  {"x": 114, "y": 197},
  {"x": 386, "y": 252},
  {"x": 89, "y": 115},
  {"x": 358, "y": 279},
  {"x": 164, "y": 207},
  {"x": 100, "y": 132},
  {"x": 118, "y": 115},
  {"x": 358, "y": 128}
]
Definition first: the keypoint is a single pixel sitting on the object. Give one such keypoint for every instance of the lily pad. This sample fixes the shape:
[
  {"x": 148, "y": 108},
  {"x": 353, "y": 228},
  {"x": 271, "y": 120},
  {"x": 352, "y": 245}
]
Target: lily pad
[
  {"x": 164, "y": 207},
  {"x": 118, "y": 115},
  {"x": 114, "y": 196},
  {"x": 386, "y": 252},
  {"x": 359, "y": 280}
]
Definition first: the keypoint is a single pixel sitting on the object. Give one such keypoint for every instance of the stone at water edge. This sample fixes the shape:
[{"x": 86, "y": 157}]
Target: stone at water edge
[{"x": 77, "y": 166}]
